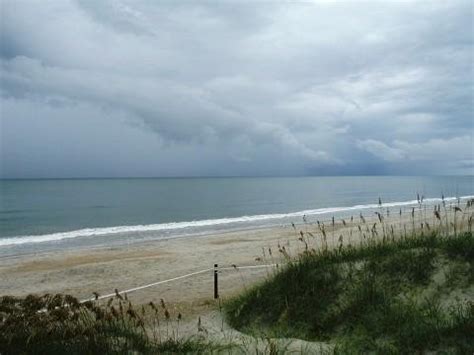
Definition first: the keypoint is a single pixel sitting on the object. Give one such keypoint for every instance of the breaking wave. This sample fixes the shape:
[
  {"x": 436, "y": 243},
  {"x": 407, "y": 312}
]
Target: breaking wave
[{"x": 234, "y": 221}]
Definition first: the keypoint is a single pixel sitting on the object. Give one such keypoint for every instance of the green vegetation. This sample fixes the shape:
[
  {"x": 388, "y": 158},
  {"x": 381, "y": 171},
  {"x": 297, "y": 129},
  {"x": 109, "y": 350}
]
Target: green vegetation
[
  {"x": 60, "y": 324},
  {"x": 401, "y": 296}
]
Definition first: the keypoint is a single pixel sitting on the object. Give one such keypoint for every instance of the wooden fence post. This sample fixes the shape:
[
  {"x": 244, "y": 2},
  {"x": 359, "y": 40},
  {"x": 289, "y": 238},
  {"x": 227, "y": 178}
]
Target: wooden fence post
[{"x": 216, "y": 287}]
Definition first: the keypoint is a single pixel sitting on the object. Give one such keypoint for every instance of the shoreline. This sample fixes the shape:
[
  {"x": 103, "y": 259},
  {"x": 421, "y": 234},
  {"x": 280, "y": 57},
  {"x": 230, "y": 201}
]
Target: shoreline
[
  {"x": 68, "y": 239},
  {"x": 82, "y": 271},
  {"x": 143, "y": 243}
]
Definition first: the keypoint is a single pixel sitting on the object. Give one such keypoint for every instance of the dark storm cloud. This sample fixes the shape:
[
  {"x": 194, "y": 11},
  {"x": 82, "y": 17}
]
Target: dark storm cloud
[{"x": 93, "y": 88}]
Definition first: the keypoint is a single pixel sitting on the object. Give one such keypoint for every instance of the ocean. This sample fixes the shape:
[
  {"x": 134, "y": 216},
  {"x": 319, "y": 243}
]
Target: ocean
[{"x": 42, "y": 215}]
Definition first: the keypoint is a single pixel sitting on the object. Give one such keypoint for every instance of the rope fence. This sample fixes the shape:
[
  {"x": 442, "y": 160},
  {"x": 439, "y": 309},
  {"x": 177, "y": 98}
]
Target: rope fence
[{"x": 215, "y": 270}]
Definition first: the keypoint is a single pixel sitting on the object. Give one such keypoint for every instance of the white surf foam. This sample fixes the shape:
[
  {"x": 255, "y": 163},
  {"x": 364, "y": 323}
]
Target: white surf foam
[{"x": 90, "y": 232}]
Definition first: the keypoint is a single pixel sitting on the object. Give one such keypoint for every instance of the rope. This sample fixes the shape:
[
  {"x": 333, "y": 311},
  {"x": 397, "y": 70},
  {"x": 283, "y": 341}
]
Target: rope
[
  {"x": 146, "y": 286},
  {"x": 174, "y": 279},
  {"x": 247, "y": 267}
]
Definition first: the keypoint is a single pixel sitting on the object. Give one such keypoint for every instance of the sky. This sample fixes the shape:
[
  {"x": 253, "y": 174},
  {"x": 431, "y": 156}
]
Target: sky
[{"x": 235, "y": 88}]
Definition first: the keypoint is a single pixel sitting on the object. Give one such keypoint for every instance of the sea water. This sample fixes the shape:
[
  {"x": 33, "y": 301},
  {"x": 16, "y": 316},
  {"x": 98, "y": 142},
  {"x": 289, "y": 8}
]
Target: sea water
[{"x": 40, "y": 215}]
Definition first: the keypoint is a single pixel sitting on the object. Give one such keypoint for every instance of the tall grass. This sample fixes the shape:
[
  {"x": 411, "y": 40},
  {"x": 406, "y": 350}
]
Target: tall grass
[
  {"x": 59, "y": 324},
  {"x": 366, "y": 299}
]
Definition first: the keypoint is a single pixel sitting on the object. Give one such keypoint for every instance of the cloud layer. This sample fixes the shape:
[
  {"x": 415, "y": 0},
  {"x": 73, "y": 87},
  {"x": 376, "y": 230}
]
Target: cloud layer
[{"x": 145, "y": 88}]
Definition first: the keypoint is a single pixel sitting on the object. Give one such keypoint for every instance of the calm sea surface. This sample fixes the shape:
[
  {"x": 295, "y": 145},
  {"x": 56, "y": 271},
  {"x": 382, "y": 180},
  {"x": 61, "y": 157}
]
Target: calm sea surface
[{"x": 38, "y": 215}]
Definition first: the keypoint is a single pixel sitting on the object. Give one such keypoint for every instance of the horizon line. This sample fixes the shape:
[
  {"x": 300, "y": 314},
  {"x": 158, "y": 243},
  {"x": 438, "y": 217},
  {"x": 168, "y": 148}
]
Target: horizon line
[{"x": 227, "y": 176}]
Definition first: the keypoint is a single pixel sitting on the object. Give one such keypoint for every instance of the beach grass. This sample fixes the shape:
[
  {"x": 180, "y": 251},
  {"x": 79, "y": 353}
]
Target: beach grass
[
  {"x": 408, "y": 295},
  {"x": 60, "y": 324}
]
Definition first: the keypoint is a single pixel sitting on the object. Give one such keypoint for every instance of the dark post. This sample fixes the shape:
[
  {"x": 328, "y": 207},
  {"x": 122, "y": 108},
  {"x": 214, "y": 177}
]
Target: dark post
[{"x": 216, "y": 288}]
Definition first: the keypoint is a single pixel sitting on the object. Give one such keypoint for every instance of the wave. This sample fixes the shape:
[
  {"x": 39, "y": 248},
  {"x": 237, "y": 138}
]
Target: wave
[{"x": 90, "y": 232}]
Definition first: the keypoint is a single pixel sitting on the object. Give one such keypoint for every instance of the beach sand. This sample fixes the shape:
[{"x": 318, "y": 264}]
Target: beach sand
[{"x": 81, "y": 272}]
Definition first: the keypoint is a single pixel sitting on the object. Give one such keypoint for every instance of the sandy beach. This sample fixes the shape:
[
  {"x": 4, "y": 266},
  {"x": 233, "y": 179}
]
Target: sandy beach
[{"x": 82, "y": 272}]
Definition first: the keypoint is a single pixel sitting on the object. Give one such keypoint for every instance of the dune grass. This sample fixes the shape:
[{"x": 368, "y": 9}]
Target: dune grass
[
  {"x": 59, "y": 324},
  {"x": 401, "y": 296}
]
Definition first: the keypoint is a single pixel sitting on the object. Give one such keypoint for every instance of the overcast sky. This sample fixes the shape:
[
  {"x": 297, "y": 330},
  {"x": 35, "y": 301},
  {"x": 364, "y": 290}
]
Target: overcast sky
[{"x": 201, "y": 88}]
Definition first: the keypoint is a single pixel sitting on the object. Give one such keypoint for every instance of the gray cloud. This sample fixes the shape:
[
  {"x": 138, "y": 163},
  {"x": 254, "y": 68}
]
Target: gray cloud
[
  {"x": 235, "y": 88},
  {"x": 381, "y": 150}
]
